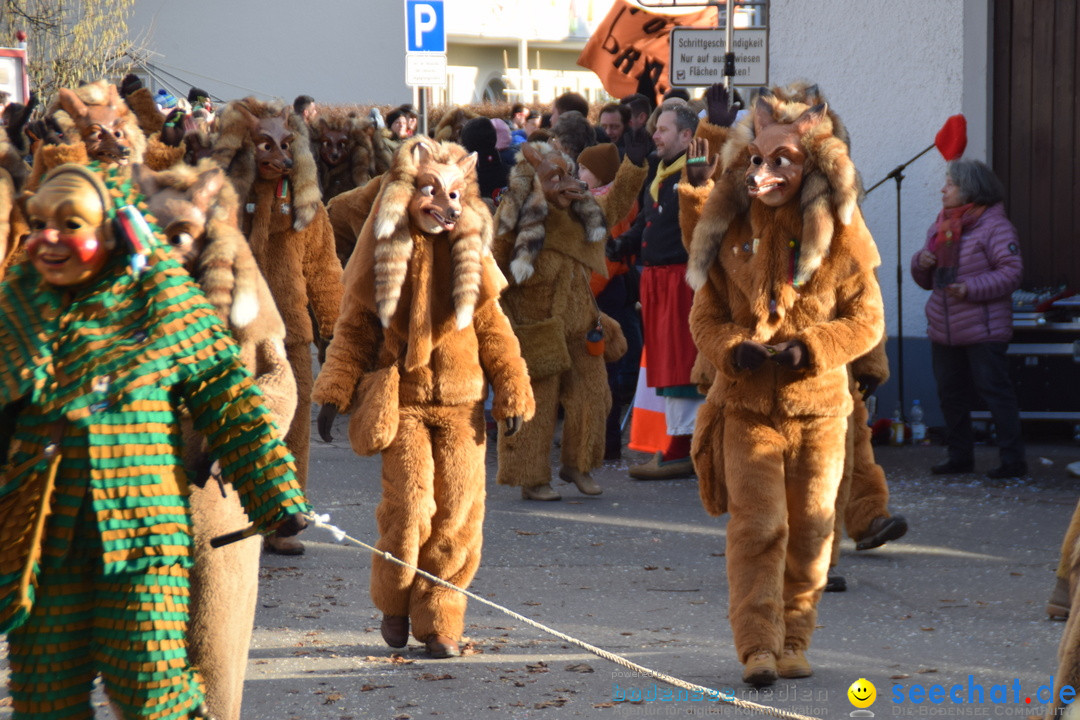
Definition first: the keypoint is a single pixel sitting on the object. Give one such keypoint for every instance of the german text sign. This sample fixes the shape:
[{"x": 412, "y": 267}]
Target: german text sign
[{"x": 697, "y": 56}]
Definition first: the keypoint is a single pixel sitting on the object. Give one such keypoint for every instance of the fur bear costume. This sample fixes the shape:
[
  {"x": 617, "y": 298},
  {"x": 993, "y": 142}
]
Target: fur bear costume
[
  {"x": 419, "y": 329},
  {"x": 290, "y": 235},
  {"x": 551, "y": 234},
  {"x": 348, "y": 212},
  {"x": 786, "y": 298},
  {"x": 13, "y": 172},
  {"x": 863, "y": 497},
  {"x": 343, "y": 152},
  {"x": 197, "y": 209},
  {"x": 80, "y": 113}
]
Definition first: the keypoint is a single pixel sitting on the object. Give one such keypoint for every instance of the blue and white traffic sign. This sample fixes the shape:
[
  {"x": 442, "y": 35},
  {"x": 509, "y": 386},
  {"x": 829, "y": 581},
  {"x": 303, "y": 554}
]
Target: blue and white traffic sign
[{"x": 425, "y": 26}]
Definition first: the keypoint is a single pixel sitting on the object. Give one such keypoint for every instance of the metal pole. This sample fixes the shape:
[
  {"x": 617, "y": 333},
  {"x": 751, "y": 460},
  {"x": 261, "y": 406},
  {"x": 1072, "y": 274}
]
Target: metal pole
[
  {"x": 423, "y": 110},
  {"x": 899, "y": 300},
  {"x": 729, "y": 57}
]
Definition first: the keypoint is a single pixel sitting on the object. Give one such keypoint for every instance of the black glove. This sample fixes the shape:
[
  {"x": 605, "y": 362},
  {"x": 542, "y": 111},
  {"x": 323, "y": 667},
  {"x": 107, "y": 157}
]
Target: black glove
[
  {"x": 792, "y": 354},
  {"x": 47, "y": 131},
  {"x": 129, "y": 84},
  {"x": 749, "y": 355},
  {"x": 716, "y": 98},
  {"x": 292, "y": 525},
  {"x": 512, "y": 424},
  {"x": 325, "y": 421},
  {"x": 866, "y": 384},
  {"x": 637, "y": 145},
  {"x": 173, "y": 130}
]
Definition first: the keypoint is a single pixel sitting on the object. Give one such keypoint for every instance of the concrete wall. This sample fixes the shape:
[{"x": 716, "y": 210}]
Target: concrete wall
[
  {"x": 894, "y": 72},
  {"x": 338, "y": 51}
]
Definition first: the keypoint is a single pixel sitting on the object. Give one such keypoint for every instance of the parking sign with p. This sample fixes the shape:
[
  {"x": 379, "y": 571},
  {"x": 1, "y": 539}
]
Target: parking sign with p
[{"x": 425, "y": 29}]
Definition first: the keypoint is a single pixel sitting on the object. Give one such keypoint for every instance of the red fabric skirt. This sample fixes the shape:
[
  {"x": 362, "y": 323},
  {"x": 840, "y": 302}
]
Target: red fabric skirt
[{"x": 665, "y": 316}]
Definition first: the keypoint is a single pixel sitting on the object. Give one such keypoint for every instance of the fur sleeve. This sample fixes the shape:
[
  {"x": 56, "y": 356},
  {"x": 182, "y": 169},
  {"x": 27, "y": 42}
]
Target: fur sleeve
[
  {"x": 710, "y": 323},
  {"x": 500, "y": 356},
  {"x": 624, "y": 191},
  {"x": 860, "y": 312},
  {"x": 146, "y": 111},
  {"x": 46, "y": 157},
  {"x": 160, "y": 156},
  {"x": 348, "y": 212},
  {"x": 352, "y": 352},
  {"x": 322, "y": 271},
  {"x": 691, "y": 203}
]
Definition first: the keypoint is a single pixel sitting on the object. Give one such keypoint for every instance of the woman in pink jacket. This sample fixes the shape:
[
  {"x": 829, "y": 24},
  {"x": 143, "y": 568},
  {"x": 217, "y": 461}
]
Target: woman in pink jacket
[{"x": 971, "y": 262}]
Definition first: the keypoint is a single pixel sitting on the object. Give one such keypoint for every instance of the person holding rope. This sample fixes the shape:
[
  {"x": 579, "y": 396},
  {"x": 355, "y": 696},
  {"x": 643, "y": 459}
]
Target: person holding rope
[{"x": 104, "y": 341}]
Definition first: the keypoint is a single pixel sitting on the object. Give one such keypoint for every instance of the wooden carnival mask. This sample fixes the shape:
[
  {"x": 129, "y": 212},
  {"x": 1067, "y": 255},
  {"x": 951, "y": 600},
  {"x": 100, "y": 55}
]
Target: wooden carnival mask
[
  {"x": 436, "y": 205},
  {"x": 182, "y": 214},
  {"x": 273, "y": 143},
  {"x": 776, "y": 155},
  {"x": 556, "y": 176},
  {"x": 103, "y": 128},
  {"x": 69, "y": 241},
  {"x": 333, "y": 144}
]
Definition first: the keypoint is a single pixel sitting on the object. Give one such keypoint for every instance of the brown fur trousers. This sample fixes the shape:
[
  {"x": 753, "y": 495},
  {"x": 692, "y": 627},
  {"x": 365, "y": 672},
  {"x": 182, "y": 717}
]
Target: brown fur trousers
[
  {"x": 431, "y": 515},
  {"x": 780, "y": 532}
]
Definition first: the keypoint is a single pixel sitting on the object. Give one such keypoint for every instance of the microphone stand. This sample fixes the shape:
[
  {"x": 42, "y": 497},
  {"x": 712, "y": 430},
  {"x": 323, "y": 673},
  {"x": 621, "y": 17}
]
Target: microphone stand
[{"x": 897, "y": 174}]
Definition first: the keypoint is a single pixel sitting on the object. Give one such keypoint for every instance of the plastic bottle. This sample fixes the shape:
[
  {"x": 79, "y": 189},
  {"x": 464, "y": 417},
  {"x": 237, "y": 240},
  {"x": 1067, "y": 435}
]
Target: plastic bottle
[
  {"x": 918, "y": 427},
  {"x": 897, "y": 429}
]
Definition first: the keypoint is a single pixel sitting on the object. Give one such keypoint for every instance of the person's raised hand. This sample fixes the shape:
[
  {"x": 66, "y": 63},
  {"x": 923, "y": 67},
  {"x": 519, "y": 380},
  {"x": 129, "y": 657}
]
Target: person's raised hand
[
  {"x": 637, "y": 145},
  {"x": 129, "y": 84},
  {"x": 699, "y": 166},
  {"x": 716, "y": 100}
]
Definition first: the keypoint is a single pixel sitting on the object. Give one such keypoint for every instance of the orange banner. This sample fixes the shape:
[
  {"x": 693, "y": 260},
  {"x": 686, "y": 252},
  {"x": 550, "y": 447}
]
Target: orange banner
[{"x": 629, "y": 51}]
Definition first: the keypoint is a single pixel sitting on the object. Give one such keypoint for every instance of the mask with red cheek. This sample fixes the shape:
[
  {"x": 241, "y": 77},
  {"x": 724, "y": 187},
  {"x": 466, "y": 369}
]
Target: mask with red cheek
[{"x": 68, "y": 243}]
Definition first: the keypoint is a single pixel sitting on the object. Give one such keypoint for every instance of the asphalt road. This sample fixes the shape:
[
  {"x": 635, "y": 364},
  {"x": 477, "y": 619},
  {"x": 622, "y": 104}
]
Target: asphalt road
[{"x": 639, "y": 571}]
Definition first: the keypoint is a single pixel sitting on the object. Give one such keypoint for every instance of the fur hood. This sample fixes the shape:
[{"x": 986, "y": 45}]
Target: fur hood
[
  {"x": 393, "y": 232},
  {"x": 234, "y": 150},
  {"x": 523, "y": 210},
  {"x": 361, "y": 160},
  {"x": 227, "y": 270},
  {"x": 101, "y": 92},
  {"x": 830, "y": 186}
]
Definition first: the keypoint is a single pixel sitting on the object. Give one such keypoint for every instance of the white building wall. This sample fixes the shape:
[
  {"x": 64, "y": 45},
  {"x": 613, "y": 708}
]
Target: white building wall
[{"x": 894, "y": 72}]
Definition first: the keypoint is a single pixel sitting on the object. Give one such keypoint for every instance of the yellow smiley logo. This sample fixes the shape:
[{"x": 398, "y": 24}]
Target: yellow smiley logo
[{"x": 862, "y": 693}]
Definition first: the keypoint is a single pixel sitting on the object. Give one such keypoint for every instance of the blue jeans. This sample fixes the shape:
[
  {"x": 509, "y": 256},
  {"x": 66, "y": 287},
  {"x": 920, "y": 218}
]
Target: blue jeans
[{"x": 961, "y": 370}]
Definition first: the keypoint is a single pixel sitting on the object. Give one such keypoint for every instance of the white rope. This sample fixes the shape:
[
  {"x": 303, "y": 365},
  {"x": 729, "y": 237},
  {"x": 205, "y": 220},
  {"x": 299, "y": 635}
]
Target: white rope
[{"x": 323, "y": 521}]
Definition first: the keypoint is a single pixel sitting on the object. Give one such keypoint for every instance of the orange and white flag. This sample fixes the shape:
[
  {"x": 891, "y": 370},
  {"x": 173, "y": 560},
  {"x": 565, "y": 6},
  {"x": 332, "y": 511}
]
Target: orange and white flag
[{"x": 630, "y": 48}]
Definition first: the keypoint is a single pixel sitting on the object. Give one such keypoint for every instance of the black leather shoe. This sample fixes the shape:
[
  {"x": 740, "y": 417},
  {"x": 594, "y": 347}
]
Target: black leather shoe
[
  {"x": 1008, "y": 470},
  {"x": 882, "y": 529},
  {"x": 836, "y": 583},
  {"x": 395, "y": 630},
  {"x": 953, "y": 467}
]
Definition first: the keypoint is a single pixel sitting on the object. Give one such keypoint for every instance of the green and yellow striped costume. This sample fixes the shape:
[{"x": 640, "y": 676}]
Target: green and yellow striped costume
[{"x": 108, "y": 369}]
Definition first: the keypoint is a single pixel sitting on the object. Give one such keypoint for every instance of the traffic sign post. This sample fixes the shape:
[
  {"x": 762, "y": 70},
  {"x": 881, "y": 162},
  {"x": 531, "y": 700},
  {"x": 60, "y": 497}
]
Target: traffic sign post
[
  {"x": 425, "y": 43},
  {"x": 697, "y": 56}
]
